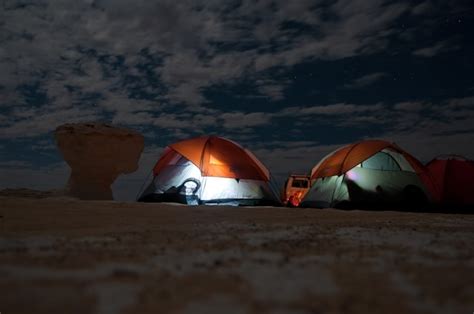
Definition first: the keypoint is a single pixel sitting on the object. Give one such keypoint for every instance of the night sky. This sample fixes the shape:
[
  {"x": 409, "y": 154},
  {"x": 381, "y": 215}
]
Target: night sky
[{"x": 290, "y": 80}]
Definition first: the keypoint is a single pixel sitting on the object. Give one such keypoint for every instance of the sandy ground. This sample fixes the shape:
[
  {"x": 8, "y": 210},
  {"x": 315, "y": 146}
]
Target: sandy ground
[{"x": 67, "y": 256}]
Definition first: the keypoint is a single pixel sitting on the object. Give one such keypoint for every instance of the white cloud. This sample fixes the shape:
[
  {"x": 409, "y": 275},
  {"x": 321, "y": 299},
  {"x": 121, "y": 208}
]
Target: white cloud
[
  {"x": 338, "y": 109},
  {"x": 40, "y": 40},
  {"x": 410, "y": 106},
  {"x": 274, "y": 91},
  {"x": 233, "y": 120},
  {"x": 46, "y": 121},
  {"x": 195, "y": 45},
  {"x": 422, "y": 8},
  {"x": 436, "y": 49},
  {"x": 366, "y": 80}
]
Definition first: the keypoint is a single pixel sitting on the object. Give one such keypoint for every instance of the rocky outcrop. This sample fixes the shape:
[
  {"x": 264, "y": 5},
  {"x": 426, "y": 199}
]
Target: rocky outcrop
[{"x": 97, "y": 154}]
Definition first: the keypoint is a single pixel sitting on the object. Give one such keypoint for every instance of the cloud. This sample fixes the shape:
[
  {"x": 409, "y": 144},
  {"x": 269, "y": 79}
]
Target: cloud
[
  {"x": 338, "y": 109},
  {"x": 358, "y": 28},
  {"x": 435, "y": 49},
  {"x": 44, "y": 121},
  {"x": 409, "y": 106},
  {"x": 272, "y": 88},
  {"x": 235, "y": 120},
  {"x": 422, "y": 8},
  {"x": 432, "y": 119},
  {"x": 460, "y": 103},
  {"x": 133, "y": 63},
  {"x": 182, "y": 39},
  {"x": 366, "y": 80}
]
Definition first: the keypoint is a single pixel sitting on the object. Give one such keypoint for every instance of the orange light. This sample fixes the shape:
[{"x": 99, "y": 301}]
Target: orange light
[{"x": 214, "y": 161}]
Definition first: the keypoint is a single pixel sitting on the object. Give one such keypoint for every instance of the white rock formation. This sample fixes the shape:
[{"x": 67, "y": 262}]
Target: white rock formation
[{"x": 97, "y": 154}]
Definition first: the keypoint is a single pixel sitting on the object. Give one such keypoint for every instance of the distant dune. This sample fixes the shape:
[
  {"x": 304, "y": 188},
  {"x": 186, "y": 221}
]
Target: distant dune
[{"x": 60, "y": 255}]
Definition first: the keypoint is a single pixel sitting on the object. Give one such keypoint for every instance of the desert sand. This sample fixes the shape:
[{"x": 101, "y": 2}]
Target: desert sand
[{"x": 61, "y": 255}]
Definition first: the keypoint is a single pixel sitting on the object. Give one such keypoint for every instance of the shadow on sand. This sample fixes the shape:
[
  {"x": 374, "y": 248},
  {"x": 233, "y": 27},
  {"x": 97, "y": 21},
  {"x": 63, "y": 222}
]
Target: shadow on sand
[{"x": 403, "y": 207}]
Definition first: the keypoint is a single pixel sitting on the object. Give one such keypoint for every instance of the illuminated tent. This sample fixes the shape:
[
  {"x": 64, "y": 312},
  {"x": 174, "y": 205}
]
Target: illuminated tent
[
  {"x": 210, "y": 170},
  {"x": 371, "y": 171},
  {"x": 454, "y": 178}
]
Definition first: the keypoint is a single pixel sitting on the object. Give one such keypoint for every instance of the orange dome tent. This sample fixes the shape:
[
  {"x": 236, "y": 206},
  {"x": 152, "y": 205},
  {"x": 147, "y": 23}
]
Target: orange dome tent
[
  {"x": 223, "y": 171},
  {"x": 217, "y": 157},
  {"x": 371, "y": 169}
]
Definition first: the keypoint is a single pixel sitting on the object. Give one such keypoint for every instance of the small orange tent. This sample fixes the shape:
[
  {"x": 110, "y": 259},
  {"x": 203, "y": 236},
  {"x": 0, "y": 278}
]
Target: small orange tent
[{"x": 219, "y": 169}]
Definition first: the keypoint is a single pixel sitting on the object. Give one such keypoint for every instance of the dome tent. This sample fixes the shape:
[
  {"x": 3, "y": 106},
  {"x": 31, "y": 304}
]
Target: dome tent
[
  {"x": 454, "y": 179},
  {"x": 371, "y": 171},
  {"x": 210, "y": 170}
]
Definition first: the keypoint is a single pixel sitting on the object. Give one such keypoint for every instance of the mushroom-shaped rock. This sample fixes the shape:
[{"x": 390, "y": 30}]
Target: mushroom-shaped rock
[{"x": 97, "y": 154}]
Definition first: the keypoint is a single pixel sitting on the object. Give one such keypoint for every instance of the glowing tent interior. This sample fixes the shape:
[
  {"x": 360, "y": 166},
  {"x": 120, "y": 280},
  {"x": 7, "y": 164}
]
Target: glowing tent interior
[
  {"x": 210, "y": 170},
  {"x": 371, "y": 171}
]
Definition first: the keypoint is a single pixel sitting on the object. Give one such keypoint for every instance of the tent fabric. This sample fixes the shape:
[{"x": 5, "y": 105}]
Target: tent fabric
[
  {"x": 454, "y": 179},
  {"x": 347, "y": 158},
  {"x": 369, "y": 171},
  {"x": 351, "y": 155},
  {"x": 210, "y": 170},
  {"x": 168, "y": 184},
  {"x": 362, "y": 185},
  {"x": 400, "y": 159},
  {"x": 381, "y": 161},
  {"x": 219, "y": 157},
  {"x": 174, "y": 174}
]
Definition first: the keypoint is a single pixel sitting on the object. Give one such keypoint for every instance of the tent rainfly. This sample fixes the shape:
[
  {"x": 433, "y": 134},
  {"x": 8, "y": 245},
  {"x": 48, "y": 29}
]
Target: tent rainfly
[{"x": 454, "y": 179}]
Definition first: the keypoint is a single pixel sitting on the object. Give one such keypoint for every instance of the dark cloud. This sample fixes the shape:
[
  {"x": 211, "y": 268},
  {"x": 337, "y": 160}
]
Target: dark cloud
[
  {"x": 435, "y": 49},
  {"x": 366, "y": 80}
]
